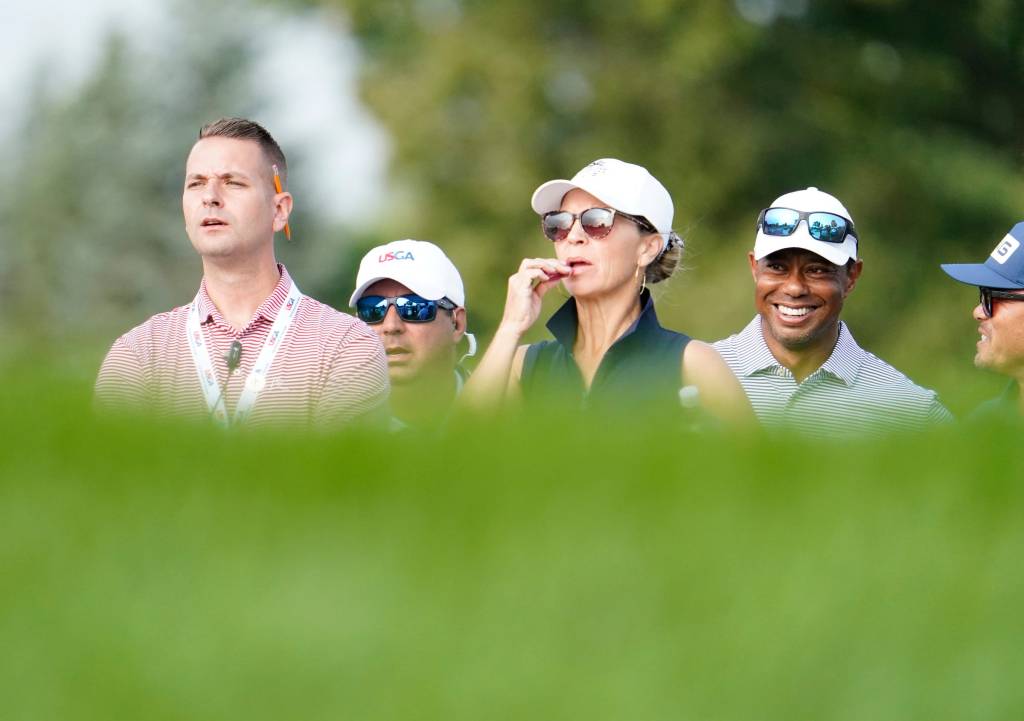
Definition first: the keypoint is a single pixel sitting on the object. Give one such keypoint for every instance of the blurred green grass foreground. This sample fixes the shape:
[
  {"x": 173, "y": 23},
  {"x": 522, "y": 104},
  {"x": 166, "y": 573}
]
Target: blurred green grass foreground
[{"x": 553, "y": 569}]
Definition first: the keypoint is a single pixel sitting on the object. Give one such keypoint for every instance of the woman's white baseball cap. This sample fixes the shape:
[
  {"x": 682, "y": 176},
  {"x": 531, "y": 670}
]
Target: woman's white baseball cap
[
  {"x": 623, "y": 186},
  {"x": 420, "y": 266},
  {"x": 809, "y": 200}
]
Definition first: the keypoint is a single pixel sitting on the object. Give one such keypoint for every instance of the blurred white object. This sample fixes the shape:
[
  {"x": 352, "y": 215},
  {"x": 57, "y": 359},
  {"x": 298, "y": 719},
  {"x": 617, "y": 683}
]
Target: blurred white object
[{"x": 689, "y": 397}]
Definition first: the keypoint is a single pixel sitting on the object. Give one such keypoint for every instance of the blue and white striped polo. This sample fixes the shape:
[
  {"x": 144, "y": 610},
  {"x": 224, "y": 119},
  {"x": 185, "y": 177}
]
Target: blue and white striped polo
[{"x": 853, "y": 393}]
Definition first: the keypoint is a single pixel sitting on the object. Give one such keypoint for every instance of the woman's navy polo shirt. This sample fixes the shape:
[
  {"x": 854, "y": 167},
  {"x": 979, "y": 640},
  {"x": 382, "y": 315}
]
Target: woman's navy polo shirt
[{"x": 642, "y": 369}]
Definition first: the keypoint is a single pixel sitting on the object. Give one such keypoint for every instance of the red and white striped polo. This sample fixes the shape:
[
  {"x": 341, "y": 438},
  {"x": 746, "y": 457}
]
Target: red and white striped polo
[{"x": 329, "y": 370}]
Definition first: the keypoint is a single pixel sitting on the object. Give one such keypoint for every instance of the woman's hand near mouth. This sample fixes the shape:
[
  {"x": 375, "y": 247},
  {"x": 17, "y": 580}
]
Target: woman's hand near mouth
[
  {"x": 526, "y": 288},
  {"x": 500, "y": 366}
]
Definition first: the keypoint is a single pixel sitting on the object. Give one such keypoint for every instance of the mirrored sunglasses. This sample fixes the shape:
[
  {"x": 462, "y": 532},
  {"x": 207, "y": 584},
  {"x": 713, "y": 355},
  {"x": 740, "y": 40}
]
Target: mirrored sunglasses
[
  {"x": 826, "y": 227},
  {"x": 411, "y": 308},
  {"x": 596, "y": 222}
]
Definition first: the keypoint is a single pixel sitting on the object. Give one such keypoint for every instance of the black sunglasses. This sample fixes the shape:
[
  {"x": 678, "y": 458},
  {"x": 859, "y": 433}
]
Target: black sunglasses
[
  {"x": 411, "y": 308},
  {"x": 987, "y": 294},
  {"x": 596, "y": 222},
  {"x": 827, "y": 227}
]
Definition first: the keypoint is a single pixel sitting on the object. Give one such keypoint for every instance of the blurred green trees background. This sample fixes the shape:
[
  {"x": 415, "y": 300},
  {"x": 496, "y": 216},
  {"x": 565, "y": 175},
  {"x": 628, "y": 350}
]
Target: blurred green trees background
[
  {"x": 908, "y": 111},
  {"x": 633, "y": 573}
]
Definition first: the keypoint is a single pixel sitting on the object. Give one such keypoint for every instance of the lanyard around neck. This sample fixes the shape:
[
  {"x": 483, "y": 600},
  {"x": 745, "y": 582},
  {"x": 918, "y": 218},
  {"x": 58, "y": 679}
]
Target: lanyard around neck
[{"x": 257, "y": 378}]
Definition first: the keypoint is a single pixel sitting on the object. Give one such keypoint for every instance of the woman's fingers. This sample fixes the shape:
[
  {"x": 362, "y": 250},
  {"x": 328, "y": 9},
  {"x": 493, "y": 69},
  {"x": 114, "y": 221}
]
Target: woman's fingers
[
  {"x": 528, "y": 278},
  {"x": 541, "y": 273},
  {"x": 545, "y": 285},
  {"x": 533, "y": 275},
  {"x": 527, "y": 286},
  {"x": 551, "y": 265}
]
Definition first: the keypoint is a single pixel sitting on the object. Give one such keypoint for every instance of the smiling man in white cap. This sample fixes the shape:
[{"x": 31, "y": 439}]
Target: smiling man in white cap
[
  {"x": 411, "y": 294},
  {"x": 797, "y": 361},
  {"x": 1000, "y": 282}
]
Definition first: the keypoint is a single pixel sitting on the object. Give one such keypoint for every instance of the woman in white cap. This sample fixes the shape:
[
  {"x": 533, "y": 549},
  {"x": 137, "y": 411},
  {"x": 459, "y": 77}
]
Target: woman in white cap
[{"x": 611, "y": 229}]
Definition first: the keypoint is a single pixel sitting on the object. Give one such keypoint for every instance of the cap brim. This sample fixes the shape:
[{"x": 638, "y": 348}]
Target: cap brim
[
  {"x": 978, "y": 274},
  {"x": 835, "y": 253},
  {"x": 419, "y": 287},
  {"x": 548, "y": 196},
  {"x": 360, "y": 290}
]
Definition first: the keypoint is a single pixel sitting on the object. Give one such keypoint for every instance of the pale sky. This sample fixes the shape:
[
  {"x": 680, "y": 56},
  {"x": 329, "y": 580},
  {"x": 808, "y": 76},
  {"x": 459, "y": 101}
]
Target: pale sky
[{"x": 336, "y": 135}]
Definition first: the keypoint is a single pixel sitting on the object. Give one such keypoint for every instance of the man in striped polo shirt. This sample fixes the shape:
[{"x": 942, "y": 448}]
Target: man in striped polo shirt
[
  {"x": 250, "y": 348},
  {"x": 797, "y": 361},
  {"x": 1000, "y": 282},
  {"x": 412, "y": 295}
]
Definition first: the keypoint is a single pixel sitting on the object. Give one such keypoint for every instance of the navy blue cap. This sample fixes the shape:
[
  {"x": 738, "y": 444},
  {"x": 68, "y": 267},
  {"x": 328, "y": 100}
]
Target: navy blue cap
[{"x": 1003, "y": 269}]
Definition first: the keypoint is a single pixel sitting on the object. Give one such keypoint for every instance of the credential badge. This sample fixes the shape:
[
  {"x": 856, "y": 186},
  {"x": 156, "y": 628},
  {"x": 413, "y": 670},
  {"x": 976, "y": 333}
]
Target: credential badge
[{"x": 256, "y": 382}]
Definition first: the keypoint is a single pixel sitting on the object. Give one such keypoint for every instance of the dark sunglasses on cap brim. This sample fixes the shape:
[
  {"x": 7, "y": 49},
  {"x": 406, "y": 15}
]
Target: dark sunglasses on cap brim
[
  {"x": 411, "y": 308},
  {"x": 826, "y": 227}
]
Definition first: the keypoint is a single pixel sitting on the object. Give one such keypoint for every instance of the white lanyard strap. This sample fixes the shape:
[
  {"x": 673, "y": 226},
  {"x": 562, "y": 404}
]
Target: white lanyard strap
[{"x": 257, "y": 378}]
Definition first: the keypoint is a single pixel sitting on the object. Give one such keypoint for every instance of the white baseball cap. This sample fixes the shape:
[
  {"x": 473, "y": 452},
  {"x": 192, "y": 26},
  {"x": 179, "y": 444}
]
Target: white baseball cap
[
  {"x": 623, "y": 186},
  {"x": 420, "y": 266},
  {"x": 809, "y": 200}
]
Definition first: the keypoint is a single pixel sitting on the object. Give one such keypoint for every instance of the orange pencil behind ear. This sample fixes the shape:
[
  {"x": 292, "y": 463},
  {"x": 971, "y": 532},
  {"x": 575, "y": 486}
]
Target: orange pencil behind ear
[{"x": 277, "y": 186}]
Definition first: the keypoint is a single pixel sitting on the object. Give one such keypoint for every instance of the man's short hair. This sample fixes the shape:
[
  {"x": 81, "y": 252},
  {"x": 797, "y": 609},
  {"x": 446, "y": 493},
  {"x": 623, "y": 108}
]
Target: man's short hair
[{"x": 242, "y": 129}]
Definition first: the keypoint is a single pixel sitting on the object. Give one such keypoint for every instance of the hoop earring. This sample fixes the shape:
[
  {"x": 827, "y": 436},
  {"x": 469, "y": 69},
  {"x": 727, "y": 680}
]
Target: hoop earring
[{"x": 643, "y": 281}]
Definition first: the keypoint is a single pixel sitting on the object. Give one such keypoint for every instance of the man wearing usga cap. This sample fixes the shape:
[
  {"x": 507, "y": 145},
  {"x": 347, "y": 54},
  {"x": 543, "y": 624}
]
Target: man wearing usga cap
[
  {"x": 411, "y": 294},
  {"x": 1000, "y": 282},
  {"x": 797, "y": 361}
]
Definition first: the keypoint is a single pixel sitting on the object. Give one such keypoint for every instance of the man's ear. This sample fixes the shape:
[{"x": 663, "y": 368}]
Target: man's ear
[
  {"x": 852, "y": 274},
  {"x": 458, "y": 324},
  {"x": 282, "y": 209},
  {"x": 753, "y": 264}
]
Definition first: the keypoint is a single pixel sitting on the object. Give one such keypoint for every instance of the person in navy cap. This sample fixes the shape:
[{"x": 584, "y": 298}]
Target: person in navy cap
[{"x": 1000, "y": 282}]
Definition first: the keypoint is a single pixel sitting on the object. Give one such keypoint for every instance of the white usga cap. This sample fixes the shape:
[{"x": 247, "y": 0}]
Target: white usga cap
[
  {"x": 623, "y": 186},
  {"x": 809, "y": 200},
  {"x": 420, "y": 266}
]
